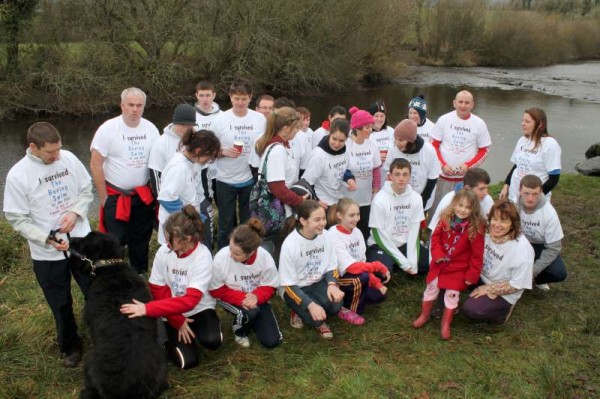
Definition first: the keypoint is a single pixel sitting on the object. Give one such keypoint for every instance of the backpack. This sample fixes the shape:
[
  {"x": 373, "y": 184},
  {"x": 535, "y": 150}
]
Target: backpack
[{"x": 264, "y": 205}]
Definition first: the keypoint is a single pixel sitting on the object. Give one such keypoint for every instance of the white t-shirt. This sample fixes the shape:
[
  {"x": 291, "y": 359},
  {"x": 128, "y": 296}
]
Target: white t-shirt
[
  {"x": 179, "y": 274},
  {"x": 460, "y": 139},
  {"x": 397, "y": 218},
  {"x": 542, "y": 226},
  {"x": 383, "y": 138},
  {"x": 538, "y": 162},
  {"x": 241, "y": 277},
  {"x": 204, "y": 122},
  {"x": 425, "y": 130},
  {"x": 281, "y": 165},
  {"x": 317, "y": 136},
  {"x": 230, "y": 128},
  {"x": 326, "y": 171},
  {"x": 349, "y": 248},
  {"x": 362, "y": 159},
  {"x": 446, "y": 200},
  {"x": 163, "y": 149},
  {"x": 425, "y": 165},
  {"x": 302, "y": 147},
  {"x": 182, "y": 180},
  {"x": 385, "y": 142},
  {"x": 397, "y": 214},
  {"x": 125, "y": 150},
  {"x": 47, "y": 193},
  {"x": 511, "y": 261},
  {"x": 304, "y": 262}
]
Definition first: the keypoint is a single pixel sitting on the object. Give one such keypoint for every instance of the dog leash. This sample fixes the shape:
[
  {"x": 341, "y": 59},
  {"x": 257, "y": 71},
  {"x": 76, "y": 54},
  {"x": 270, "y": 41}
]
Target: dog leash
[{"x": 52, "y": 236}]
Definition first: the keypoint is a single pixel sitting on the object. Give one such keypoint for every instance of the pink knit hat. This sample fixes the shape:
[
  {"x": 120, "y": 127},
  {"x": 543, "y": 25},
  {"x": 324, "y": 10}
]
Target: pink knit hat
[
  {"x": 406, "y": 130},
  {"x": 360, "y": 118}
]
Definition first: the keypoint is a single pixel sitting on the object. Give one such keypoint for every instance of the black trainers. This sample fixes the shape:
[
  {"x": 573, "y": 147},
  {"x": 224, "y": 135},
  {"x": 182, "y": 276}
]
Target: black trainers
[{"x": 73, "y": 359}]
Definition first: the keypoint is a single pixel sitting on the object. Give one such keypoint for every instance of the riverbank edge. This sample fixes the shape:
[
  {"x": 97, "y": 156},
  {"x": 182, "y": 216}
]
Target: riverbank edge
[{"x": 395, "y": 73}]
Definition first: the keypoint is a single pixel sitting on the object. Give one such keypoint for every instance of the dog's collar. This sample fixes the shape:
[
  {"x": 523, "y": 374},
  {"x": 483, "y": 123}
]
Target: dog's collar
[{"x": 104, "y": 263}]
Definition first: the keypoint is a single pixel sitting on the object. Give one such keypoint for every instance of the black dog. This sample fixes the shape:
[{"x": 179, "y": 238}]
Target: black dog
[{"x": 127, "y": 360}]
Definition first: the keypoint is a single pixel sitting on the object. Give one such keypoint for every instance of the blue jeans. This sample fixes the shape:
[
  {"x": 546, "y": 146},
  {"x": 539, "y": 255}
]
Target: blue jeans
[
  {"x": 318, "y": 293},
  {"x": 230, "y": 200},
  {"x": 555, "y": 272}
]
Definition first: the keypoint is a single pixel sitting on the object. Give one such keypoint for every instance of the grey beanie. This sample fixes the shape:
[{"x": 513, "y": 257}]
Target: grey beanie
[{"x": 184, "y": 114}]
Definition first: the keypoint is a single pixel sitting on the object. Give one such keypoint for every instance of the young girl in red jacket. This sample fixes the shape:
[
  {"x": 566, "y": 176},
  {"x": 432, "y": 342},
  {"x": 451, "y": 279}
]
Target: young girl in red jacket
[
  {"x": 456, "y": 257},
  {"x": 360, "y": 280},
  {"x": 179, "y": 281},
  {"x": 244, "y": 280}
]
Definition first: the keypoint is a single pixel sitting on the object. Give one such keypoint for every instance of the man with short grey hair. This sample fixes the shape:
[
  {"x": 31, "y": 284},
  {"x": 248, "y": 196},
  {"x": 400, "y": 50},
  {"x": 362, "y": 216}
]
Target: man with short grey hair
[{"x": 119, "y": 164}]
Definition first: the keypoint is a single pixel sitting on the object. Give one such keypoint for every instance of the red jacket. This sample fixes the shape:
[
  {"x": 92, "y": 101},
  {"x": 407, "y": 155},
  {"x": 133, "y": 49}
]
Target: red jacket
[{"x": 466, "y": 258}]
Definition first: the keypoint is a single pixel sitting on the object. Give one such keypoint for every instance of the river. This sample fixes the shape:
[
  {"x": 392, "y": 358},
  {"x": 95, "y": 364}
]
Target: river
[{"x": 570, "y": 95}]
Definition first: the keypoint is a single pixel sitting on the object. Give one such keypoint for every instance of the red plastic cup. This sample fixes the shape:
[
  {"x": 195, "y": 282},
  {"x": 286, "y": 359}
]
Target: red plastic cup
[{"x": 239, "y": 146}]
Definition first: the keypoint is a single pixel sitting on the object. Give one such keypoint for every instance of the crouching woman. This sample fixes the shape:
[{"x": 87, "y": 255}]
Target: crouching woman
[
  {"x": 507, "y": 267},
  {"x": 179, "y": 281}
]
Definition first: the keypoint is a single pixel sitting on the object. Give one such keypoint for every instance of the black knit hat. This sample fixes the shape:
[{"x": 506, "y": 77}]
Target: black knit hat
[
  {"x": 378, "y": 106},
  {"x": 184, "y": 114}
]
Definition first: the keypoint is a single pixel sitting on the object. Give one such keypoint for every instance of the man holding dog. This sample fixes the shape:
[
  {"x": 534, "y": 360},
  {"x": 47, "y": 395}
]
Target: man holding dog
[
  {"x": 119, "y": 165},
  {"x": 46, "y": 199}
]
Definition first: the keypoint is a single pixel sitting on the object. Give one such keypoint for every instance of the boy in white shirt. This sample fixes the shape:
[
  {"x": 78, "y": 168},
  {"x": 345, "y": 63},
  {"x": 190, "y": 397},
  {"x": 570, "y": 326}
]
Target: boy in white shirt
[
  {"x": 395, "y": 219},
  {"x": 542, "y": 228},
  {"x": 237, "y": 129},
  {"x": 206, "y": 112}
]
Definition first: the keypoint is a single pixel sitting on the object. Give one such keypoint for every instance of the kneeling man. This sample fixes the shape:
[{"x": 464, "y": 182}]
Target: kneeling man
[{"x": 542, "y": 228}]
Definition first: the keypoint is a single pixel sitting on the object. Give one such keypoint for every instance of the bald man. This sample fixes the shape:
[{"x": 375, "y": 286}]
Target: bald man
[{"x": 462, "y": 141}]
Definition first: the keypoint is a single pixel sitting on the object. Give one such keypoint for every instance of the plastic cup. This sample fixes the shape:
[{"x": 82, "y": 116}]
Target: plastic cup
[{"x": 239, "y": 146}]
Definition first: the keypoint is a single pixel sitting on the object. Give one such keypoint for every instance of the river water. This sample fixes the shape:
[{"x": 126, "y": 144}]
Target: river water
[{"x": 570, "y": 95}]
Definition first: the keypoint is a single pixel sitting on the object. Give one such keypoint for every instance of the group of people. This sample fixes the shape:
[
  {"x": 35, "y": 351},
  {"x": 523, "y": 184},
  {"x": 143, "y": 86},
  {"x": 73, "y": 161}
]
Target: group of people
[{"x": 369, "y": 190}]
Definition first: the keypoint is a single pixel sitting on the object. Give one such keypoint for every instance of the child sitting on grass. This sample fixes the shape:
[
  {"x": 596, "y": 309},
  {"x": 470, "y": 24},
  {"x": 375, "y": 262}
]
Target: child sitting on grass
[
  {"x": 360, "y": 280},
  {"x": 307, "y": 269}
]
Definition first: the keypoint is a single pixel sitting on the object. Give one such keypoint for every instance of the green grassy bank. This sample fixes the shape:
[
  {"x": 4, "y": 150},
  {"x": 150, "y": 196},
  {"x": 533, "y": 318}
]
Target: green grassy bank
[{"x": 548, "y": 349}]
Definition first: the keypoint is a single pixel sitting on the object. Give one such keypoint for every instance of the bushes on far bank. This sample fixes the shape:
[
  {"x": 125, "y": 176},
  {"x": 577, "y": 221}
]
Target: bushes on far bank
[
  {"x": 533, "y": 39},
  {"x": 466, "y": 33}
]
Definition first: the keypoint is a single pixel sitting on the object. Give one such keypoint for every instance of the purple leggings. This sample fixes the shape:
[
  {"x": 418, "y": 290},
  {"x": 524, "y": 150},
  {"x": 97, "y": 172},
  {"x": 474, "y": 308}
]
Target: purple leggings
[{"x": 494, "y": 311}]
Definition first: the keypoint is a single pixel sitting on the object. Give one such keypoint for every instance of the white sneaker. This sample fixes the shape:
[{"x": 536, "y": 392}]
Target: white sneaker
[
  {"x": 295, "y": 320},
  {"x": 244, "y": 342},
  {"x": 543, "y": 287}
]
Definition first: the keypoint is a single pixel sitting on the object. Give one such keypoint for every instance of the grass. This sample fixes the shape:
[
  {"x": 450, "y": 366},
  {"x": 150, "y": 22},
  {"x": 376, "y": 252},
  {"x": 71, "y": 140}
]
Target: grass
[{"x": 548, "y": 349}]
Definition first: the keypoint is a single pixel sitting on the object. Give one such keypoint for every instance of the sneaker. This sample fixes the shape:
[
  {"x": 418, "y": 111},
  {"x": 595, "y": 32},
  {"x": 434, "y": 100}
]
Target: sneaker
[
  {"x": 543, "y": 287},
  {"x": 324, "y": 331},
  {"x": 73, "y": 359},
  {"x": 244, "y": 342},
  {"x": 295, "y": 320},
  {"x": 351, "y": 317}
]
